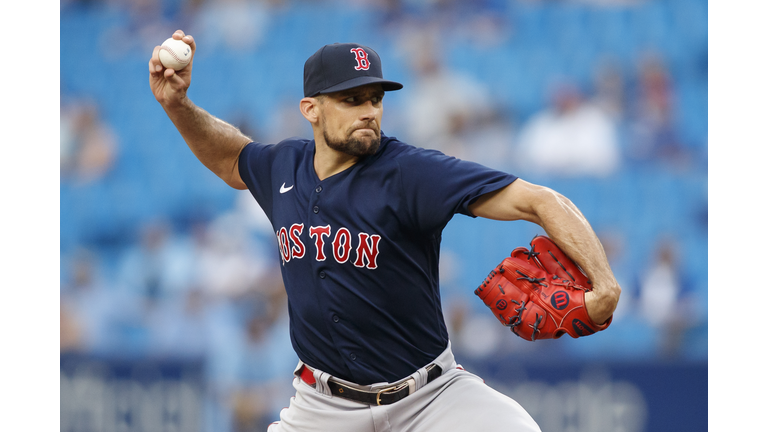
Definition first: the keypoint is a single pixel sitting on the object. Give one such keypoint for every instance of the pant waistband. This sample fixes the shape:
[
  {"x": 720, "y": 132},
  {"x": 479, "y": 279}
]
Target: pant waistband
[
  {"x": 377, "y": 394},
  {"x": 384, "y": 396}
]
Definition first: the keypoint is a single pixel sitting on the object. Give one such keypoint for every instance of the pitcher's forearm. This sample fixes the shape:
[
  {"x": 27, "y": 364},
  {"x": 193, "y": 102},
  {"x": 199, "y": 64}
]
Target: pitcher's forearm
[
  {"x": 571, "y": 231},
  {"x": 216, "y": 143}
]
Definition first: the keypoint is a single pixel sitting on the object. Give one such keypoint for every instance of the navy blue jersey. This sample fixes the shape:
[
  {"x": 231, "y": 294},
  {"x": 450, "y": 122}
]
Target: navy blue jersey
[{"x": 360, "y": 250}]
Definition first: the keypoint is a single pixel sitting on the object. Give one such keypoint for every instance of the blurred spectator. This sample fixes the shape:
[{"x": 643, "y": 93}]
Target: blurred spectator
[
  {"x": 286, "y": 121},
  {"x": 609, "y": 89},
  {"x": 486, "y": 28},
  {"x": 665, "y": 298},
  {"x": 441, "y": 104},
  {"x": 389, "y": 13},
  {"x": 236, "y": 25},
  {"x": 228, "y": 262},
  {"x": 90, "y": 309},
  {"x": 147, "y": 25},
  {"x": 180, "y": 327},
  {"x": 249, "y": 213},
  {"x": 488, "y": 140},
  {"x": 88, "y": 145},
  {"x": 266, "y": 359},
  {"x": 224, "y": 328},
  {"x": 654, "y": 135},
  {"x": 571, "y": 138},
  {"x": 70, "y": 330},
  {"x": 82, "y": 304},
  {"x": 159, "y": 265},
  {"x": 475, "y": 336},
  {"x": 480, "y": 22}
]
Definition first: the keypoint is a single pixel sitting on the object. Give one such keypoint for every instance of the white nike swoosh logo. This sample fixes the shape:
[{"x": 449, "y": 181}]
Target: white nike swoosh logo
[{"x": 284, "y": 189}]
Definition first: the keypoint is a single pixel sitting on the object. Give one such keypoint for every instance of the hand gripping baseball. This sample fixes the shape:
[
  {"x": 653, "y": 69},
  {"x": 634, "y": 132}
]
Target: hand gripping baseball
[
  {"x": 167, "y": 85},
  {"x": 539, "y": 293}
]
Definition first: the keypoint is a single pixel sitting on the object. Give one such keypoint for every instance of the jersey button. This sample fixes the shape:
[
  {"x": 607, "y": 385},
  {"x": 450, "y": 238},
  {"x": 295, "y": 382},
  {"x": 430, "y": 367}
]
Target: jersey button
[
  {"x": 319, "y": 189},
  {"x": 316, "y": 209},
  {"x": 353, "y": 356},
  {"x": 322, "y": 275},
  {"x": 335, "y": 318}
]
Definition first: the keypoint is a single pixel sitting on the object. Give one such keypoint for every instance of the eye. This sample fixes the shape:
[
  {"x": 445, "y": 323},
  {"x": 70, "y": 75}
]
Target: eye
[{"x": 350, "y": 99}]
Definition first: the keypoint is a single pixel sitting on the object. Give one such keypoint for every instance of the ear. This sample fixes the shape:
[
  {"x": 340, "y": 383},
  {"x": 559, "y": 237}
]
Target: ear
[{"x": 310, "y": 109}]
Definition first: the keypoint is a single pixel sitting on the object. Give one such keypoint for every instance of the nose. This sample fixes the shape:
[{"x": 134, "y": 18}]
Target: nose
[{"x": 369, "y": 111}]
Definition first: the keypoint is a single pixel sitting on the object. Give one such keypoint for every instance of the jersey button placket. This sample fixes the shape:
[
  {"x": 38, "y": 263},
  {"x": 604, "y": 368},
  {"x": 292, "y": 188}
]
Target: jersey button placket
[{"x": 318, "y": 189}]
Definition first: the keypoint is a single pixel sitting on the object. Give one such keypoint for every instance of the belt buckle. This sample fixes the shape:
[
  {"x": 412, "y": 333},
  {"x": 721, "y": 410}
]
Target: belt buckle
[{"x": 394, "y": 388}]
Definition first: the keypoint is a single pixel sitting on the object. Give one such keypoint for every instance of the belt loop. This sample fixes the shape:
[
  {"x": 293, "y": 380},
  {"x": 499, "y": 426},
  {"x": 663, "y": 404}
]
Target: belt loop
[
  {"x": 321, "y": 382},
  {"x": 421, "y": 378},
  {"x": 446, "y": 359},
  {"x": 298, "y": 368},
  {"x": 412, "y": 387}
]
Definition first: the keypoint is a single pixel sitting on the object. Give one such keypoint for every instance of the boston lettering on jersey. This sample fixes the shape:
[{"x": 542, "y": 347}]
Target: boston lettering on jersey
[{"x": 292, "y": 247}]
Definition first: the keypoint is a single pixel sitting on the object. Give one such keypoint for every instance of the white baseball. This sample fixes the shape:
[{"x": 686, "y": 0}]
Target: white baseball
[{"x": 175, "y": 54}]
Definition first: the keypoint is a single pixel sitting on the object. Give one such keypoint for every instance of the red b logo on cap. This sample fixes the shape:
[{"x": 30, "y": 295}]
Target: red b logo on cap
[{"x": 362, "y": 59}]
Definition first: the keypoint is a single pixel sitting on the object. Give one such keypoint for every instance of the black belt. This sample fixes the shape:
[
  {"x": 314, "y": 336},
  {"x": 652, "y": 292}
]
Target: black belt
[{"x": 385, "y": 396}]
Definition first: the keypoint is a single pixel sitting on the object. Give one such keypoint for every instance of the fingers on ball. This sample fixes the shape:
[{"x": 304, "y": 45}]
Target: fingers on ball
[
  {"x": 154, "y": 63},
  {"x": 154, "y": 67},
  {"x": 188, "y": 39}
]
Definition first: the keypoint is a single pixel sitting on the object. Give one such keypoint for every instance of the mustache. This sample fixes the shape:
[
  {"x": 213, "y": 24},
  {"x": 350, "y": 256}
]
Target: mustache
[{"x": 370, "y": 125}]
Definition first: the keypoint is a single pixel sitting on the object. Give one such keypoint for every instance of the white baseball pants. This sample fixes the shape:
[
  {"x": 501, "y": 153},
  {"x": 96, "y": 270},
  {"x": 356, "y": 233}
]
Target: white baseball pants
[{"x": 455, "y": 401}]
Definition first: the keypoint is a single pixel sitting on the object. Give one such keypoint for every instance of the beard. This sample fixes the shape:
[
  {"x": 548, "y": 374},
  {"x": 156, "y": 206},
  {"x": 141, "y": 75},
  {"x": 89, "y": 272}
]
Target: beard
[{"x": 353, "y": 146}]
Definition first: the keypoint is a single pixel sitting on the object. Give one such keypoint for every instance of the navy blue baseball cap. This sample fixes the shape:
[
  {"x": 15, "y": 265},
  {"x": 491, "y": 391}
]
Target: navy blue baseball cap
[{"x": 338, "y": 67}]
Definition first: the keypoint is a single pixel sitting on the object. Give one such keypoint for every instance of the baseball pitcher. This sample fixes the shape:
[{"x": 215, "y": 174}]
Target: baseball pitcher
[{"x": 358, "y": 217}]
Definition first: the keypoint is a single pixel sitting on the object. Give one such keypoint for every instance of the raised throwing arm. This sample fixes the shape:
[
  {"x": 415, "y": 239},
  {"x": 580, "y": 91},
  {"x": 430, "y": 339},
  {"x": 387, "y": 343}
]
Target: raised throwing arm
[{"x": 216, "y": 143}]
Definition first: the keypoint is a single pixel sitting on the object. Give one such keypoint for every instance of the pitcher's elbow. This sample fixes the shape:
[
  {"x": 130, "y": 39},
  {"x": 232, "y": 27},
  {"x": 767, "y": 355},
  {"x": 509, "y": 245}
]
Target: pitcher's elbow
[
  {"x": 602, "y": 303},
  {"x": 610, "y": 299}
]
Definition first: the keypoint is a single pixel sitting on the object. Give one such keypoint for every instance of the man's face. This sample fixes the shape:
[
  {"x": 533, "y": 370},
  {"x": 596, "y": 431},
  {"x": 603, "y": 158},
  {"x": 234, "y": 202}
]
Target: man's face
[{"x": 350, "y": 120}]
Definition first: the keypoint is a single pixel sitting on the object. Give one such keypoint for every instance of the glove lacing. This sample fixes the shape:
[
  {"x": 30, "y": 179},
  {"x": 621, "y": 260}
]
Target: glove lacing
[
  {"x": 531, "y": 253},
  {"x": 568, "y": 284},
  {"x": 532, "y": 280},
  {"x": 535, "y": 326},
  {"x": 515, "y": 320}
]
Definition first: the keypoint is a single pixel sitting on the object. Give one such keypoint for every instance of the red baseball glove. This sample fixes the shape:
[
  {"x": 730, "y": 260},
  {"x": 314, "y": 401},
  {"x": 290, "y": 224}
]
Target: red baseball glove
[{"x": 539, "y": 293}]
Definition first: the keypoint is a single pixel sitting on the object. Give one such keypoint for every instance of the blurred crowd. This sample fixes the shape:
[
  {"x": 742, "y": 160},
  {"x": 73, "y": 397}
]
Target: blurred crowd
[
  {"x": 212, "y": 293},
  {"x": 209, "y": 286}
]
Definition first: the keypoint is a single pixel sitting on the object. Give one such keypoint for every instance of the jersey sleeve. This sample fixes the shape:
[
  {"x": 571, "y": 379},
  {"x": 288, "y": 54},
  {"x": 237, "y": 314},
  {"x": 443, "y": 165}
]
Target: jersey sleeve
[
  {"x": 254, "y": 166},
  {"x": 437, "y": 186}
]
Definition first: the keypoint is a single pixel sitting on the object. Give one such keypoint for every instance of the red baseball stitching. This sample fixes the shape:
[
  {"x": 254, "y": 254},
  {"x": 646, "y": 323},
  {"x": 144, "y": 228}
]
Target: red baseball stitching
[{"x": 173, "y": 54}]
